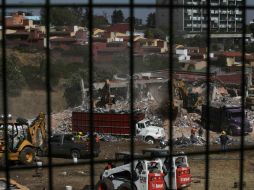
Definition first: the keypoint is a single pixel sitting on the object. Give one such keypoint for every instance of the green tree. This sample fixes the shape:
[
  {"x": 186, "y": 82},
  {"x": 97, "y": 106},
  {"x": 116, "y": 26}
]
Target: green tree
[
  {"x": 60, "y": 16},
  {"x": 72, "y": 91},
  {"x": 99, "y": 21},
  {"x": 15, "y": 79},
  {"x": 149, "y": 33},
  {"x": 117, "y": 16},
  {"x": 150, "y": 20}
]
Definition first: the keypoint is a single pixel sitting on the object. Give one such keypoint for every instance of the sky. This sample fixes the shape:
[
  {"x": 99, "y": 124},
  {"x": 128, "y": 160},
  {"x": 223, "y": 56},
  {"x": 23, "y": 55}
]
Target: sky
[{"x": 139, "y": 13}]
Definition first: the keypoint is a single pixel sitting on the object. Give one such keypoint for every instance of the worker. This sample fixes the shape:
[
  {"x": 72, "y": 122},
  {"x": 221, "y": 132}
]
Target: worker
[
  {"x": 79, "y": 135},
  {"x": 200, "y": 132},
  {"x": 109, "y": 166},
  {"x": 193, "y": 131},
  {"x": 97, "y": 138},
  {"x": 223, "y": 140},
  {"x": 193, "y": 134}
]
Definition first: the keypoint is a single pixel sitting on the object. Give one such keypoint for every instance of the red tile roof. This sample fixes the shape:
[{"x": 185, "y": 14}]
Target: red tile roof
[
  {"x": 120, "y": 27},
  {"x": 232, "y": 54}
]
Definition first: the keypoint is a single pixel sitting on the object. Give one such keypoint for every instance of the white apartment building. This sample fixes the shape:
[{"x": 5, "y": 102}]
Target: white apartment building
[{"x": 194, "y": 19}]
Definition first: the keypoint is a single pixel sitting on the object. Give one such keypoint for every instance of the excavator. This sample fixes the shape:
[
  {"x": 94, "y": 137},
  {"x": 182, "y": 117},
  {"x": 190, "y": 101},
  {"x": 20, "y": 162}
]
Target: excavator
[
  {"x": 105, "y": 96},
  {"x": 180, "y": 92},
  {"x": 191, "y": 100},
  {"x": 24, "y": 140}
]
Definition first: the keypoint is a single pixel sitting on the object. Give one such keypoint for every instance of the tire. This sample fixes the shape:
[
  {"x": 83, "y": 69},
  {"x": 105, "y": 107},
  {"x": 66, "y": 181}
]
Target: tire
[
  {"x": 150, "y": 140},
  {"x": 105, "y": 184},
  {"x": 27, "y": 156},
  {"x": 126, "y": 186},
  {"x": 75, "y": 154}
]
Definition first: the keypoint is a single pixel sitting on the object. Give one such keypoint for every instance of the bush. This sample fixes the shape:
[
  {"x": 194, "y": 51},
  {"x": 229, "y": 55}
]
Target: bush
[
  {"x": 15, "y": 78},
  {"x": 72, "y": 91}
]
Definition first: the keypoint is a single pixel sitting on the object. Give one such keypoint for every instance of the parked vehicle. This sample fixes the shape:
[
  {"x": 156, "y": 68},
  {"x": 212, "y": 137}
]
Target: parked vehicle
[
  {"x": 226, "y": 118},
  {"x": 117, "y": 124},
  {"x": 147, "y": 175},
  {"x": 66, "y": 145},
  {"x": 179, "y": 168}
]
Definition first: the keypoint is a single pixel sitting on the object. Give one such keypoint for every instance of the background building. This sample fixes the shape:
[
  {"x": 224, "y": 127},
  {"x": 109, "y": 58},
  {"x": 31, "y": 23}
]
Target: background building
[{"x": 194, "y": 19}]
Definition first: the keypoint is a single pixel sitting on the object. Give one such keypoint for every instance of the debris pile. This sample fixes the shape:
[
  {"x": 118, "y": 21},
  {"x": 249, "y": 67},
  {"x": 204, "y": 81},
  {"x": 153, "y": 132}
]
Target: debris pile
[{"x": 61, "y": 122}]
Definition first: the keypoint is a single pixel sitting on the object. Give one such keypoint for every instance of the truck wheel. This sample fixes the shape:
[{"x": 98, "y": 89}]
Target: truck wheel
[
  {"x": 27, "y": 156},
  {"x": 75, "y": 154},
  {"x": 126, "y": 186},
  {"x": 150, "y": 140},
  {"x": 105, "y": 184}
]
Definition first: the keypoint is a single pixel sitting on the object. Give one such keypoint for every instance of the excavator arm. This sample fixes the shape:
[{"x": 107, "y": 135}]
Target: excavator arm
[{"x": 37, "y": 130}]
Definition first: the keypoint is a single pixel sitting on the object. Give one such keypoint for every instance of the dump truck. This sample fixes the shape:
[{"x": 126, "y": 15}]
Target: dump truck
[
  {"x": 225, "y": 118},
  {"x": 118, "y": 124}
]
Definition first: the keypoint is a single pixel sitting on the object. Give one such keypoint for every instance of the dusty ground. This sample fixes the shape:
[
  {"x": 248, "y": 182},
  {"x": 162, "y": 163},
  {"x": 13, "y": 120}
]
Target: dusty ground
[{"x": 224, "y": 170}]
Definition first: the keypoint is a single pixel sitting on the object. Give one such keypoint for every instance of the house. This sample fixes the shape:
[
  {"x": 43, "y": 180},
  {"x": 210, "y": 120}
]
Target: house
[{"x": 119, "y": 27}]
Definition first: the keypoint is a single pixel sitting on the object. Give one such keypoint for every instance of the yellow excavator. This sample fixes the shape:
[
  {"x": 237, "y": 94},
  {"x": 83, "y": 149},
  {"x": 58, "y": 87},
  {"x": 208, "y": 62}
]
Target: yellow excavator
[
  {"x": 191, "y": 100},
  {"x": 24, "y": 140}
]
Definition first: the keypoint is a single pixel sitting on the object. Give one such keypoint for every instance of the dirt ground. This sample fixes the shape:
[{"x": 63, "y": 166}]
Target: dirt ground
[{"x": 224, "y": 169}]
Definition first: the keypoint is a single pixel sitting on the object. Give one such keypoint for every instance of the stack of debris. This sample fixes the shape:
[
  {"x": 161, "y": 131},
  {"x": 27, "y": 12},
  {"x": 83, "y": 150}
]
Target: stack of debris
[{"x": 61, "y": 122}]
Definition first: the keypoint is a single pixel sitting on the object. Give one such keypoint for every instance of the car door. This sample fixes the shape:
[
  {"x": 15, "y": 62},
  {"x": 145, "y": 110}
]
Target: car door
[
  {"x": 56, "y": 145},
  {"x": 68, "y": 143}
]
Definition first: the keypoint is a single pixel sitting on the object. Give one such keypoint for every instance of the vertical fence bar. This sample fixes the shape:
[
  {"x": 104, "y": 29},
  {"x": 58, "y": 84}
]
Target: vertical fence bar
[
  {"x": 170, "y": 87},
  {"x": 132, "y": 124},
  {"x": 208, "y": 78},
  {"x": 241, "y": 177},
  {"x": 90, "y": 8},
  {"x": 5, "y": 98},
  {"x": 48, "y": 65}
]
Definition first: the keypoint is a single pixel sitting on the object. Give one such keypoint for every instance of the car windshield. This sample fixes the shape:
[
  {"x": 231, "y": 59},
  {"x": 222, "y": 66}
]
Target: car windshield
[
  {"x": 236, "y": 114},
  {"x": 148, "y": 123}
]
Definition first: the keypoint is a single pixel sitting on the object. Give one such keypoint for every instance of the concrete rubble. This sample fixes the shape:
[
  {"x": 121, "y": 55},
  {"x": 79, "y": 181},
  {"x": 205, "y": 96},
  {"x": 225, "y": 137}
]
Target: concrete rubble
[{"x": 61, "y": 122}]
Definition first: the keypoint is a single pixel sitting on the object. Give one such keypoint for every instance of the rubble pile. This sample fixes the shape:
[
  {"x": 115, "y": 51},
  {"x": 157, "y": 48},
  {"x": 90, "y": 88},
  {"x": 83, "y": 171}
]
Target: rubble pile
[{"x": 61, "y": 122}]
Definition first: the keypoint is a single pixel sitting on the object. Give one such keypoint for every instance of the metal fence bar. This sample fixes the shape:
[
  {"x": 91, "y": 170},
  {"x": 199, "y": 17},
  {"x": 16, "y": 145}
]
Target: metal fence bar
[
  {"x": 207, "y": 124},
  {"x": 171, "y": 94},
  {"x": 90, "y": 8},
  {"x": 243, "y": 87},
  {"x": 131, "y": 5},
  {"x": 132, "y": 98},
  {"x": 48, "y": 89},
  {"x": 174, "y": 6},
  {"x": 5, "y": 160}
]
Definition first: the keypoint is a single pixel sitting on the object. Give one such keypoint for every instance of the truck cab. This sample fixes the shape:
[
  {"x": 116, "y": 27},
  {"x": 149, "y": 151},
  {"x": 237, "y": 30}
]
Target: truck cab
[
  {"x": 149, "y": 132},
  {"x": 65, "y": 145}
]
